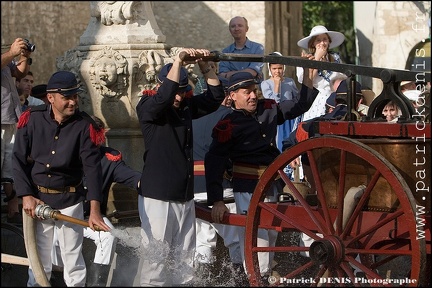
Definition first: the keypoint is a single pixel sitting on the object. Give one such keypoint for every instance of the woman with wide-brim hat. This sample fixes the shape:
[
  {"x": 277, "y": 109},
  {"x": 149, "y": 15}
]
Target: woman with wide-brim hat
[{"x": 318, "y": 45}]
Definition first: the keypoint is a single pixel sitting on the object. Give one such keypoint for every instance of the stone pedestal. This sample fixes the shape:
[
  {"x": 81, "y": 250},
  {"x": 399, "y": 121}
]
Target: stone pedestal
[{"x": 120, "y": 54}]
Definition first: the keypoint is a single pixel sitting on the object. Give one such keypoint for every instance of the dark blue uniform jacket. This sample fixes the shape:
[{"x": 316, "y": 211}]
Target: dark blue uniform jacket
[
  {"x": 62, "y": 154},
  {"x": 202, "y": 128},
  {"x": 168, "y": 160},
  {"x": 249, "y": 139},
  {"x": 114, "y": 170}
]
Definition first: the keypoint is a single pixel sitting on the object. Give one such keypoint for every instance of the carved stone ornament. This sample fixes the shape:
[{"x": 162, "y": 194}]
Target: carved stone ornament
[
  {"x": 150, "y": 62},
  {"x": 109, "y": 73},
  {"x": 112, "y": 12}
]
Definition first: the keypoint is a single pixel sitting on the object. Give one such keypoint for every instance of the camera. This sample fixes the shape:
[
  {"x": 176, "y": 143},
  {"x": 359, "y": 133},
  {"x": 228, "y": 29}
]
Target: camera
[{"x": 30, "y": 47}]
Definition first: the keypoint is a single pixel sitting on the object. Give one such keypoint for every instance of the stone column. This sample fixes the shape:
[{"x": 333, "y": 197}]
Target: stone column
[{"x": 119, "y": 55}]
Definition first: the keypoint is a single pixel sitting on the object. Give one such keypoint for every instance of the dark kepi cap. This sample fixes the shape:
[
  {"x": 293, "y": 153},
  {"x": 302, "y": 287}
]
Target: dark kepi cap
[
  {"x": 240, "y": 80},
  {"x": 331, "y": 100},
  {"x": 343, "y": 88},
  {"x": 224, "y": 81},
  {"x": 183, "y": 82},
  {"x": 342, "y": 91},
  {"x": 63, "y": 82},
  {"x": 39, "y": 91}
]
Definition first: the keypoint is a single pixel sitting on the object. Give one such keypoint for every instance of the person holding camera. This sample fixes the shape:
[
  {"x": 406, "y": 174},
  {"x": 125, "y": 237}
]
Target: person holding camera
[{"x": 14, "y": 63}]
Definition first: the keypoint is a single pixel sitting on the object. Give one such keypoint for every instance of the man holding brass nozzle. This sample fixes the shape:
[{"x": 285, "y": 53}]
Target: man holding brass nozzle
[{"x": 62, "y": 143}]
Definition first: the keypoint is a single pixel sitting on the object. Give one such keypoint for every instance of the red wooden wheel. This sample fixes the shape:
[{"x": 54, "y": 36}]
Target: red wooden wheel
[{"x": 378, "y": 236}]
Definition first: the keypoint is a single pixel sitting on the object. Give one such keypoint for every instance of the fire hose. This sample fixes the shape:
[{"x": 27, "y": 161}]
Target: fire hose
[{"x": 29, "y": 228}]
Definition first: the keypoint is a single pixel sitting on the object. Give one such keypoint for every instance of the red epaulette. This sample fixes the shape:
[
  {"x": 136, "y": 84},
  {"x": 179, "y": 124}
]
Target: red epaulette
[
  {"x": 24, "y": 118},
  {"x": 112, "y": 157},
  {"x": 189, "y": 94},
  {"x": 268, "y": 103},
  {"x": 148, "y": 92},
  {"x": 301, "y": 134},
  {"x": 97, "y": 136},
  {"x": 223, "y": 130}
]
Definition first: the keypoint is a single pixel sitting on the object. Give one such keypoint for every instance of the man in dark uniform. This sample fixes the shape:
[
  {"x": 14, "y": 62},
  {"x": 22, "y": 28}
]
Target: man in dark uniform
[
  {"x": 62, "y": 142},
  {"x": 247, "y": 136},
  {"x": 165, "y": 202}
]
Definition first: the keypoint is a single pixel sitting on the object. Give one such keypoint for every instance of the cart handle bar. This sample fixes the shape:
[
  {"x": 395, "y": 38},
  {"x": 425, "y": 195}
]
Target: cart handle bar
[{"x": 386, "y": 75}]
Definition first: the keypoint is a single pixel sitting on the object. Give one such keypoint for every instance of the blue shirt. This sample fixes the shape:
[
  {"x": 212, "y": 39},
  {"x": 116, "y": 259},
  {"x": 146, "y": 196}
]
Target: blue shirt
[{"x": 249, "y": 48}]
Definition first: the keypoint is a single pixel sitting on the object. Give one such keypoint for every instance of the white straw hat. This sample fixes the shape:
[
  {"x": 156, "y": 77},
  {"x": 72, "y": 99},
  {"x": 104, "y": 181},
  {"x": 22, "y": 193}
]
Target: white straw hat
[{"x": 337, "y": 38}]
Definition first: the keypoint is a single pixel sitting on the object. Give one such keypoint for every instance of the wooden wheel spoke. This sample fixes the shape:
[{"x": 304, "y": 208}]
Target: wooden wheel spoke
[
  {"x": 395, "y": 252},
  {"x": 299, "y": 270},
  {"x": 306, "y": 206},
  {"x": 341, "y": 192},
  {"x": 361, "y": 203},
  {"x": 367, "y": 270},
  {"x": 320, "y": 193},
  {"x": 287, "y": 220},
  {"x": 376, "y": 226}
]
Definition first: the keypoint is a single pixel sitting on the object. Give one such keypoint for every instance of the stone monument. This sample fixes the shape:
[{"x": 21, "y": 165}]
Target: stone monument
[{"x": 119, "y": 55}]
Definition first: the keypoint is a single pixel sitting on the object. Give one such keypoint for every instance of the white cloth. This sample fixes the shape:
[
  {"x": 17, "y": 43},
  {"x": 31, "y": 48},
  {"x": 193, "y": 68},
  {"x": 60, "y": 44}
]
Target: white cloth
[
  {"x": 168, "y": 242},
  {"x": 105, "y": 245},
  {"x": 33, "y": 101},
  {"x": 206, "y": 234},
  {"x": 318, "y": 106},
  {"x": 7, "y": 142},
  {"x": 266, "y": 238},
  {"x": 70, "y": 237}
]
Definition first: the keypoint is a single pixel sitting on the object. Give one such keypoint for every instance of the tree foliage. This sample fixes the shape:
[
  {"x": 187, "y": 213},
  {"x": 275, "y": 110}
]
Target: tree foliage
[{"x": 335, "y": 16}]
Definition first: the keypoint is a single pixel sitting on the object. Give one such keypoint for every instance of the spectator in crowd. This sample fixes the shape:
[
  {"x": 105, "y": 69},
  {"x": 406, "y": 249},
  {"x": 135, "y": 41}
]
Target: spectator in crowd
[
  {"x": 63, "y": 142},
  {"x": 25, "y": 85},
  {"x": 166, "y": 206},
  {"x": 114, "y": 170},
  {"x": 391, "y": 112},
  {"x": 39, "y": 92},
  {"x": 318, "y": 44},
  {"x": 10, "y": 112},
  {"x": 246, "y": 136},
  {"x": 238, "y": 27},
  {"x": 407, "y": 85},
  {"x": 280, "y": 88},
  {"x": 409, "y": 89}
]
